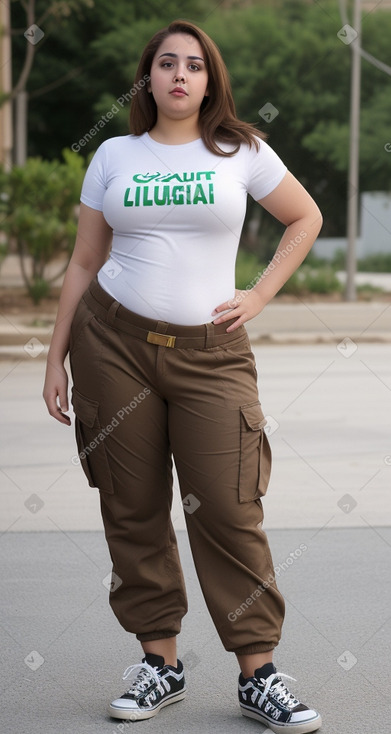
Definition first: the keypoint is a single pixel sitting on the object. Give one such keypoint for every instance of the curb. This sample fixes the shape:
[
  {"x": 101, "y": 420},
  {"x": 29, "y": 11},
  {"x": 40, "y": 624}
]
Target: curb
[
  {"x": 37, "y": 345},
  {"x": 317, "y": 338}
]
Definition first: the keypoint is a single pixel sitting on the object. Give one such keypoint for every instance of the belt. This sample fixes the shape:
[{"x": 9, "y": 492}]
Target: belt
[{"x": 160, "y": 333}]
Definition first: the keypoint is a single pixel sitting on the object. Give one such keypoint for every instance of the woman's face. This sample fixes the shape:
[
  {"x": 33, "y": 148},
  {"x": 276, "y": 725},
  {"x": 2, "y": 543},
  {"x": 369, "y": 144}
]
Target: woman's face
[{"x": 179, "y": 63}]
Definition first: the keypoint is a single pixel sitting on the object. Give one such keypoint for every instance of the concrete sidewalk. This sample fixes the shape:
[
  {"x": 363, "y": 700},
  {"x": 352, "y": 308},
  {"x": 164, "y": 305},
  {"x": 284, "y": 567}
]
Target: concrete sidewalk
[
  {"x": 301, "y": 321},
  {"x": 328, "y": 407},
  {"x": 328, "y": 413},
  {"x": 279, "y": 323},
  {"x": 63, "y": 651}
]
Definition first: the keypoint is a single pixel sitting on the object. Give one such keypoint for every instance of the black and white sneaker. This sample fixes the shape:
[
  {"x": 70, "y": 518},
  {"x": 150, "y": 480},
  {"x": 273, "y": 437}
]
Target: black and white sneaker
[
  {"x": 265, "y": 697},
  {"x": 153, "y": 686}
]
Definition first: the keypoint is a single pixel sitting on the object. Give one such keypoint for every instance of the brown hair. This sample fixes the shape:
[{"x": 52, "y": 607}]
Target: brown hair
[{"x": 217, "y": 118}]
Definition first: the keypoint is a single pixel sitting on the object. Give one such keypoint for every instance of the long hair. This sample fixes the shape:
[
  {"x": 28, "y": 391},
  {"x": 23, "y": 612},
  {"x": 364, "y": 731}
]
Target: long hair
[{"x": 218, "y": 120}]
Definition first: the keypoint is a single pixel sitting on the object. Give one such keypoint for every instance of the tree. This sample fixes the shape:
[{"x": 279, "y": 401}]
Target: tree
[
  {"x": 41, "y": 206},
  {"x": 286, "y": 52},
  {"x": 33, "y": 34},
  {"x": 85, "y": 61}
]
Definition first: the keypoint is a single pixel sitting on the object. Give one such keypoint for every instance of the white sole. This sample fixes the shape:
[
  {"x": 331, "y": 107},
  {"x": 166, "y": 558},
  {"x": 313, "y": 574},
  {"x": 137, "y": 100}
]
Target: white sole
[
  {"x": 132, "y": 715},
  {"x": 303, "y": 728}
]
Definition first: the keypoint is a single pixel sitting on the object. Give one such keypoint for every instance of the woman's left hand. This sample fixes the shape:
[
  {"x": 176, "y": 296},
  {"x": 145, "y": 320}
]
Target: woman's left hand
[{"x": 244, "y": 306}]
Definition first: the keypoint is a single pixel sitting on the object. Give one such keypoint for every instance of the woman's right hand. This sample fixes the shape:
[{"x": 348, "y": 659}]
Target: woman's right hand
[{"x": 56, "y": 387}]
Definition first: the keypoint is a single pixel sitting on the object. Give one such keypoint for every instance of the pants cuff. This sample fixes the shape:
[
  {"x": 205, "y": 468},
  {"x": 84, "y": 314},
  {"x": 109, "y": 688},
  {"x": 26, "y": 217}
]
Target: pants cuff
[
  {"x": 254, "y": 648},
  {"x": 148, "y": 636}
]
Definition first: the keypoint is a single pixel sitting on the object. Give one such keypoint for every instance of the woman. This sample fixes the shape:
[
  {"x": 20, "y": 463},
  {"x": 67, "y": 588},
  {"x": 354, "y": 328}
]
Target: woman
[{"x": 161, "y": 365}]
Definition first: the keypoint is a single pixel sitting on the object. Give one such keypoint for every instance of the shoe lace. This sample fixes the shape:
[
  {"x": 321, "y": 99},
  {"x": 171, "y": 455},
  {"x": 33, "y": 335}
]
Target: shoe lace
[
  {"x": 145, "y": 679},
  {"x": 280, "y": 692}
]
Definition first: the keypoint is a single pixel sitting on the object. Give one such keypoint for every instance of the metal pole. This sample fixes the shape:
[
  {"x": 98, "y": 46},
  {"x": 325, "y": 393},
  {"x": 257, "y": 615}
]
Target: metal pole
[{"x": 353, "y": 179}]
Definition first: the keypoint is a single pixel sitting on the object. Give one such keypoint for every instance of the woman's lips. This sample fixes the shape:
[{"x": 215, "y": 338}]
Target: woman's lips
[{"x": 179, "y": 93}]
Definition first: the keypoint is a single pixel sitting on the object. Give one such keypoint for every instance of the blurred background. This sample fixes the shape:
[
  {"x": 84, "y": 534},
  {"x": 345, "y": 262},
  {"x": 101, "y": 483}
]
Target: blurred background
[
  {"x": 66, "y": 74},
  {"x": 320, "y": 90}
]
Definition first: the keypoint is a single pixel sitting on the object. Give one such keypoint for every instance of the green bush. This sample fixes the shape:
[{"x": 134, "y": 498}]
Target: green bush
[
  {"x": 248, "y": 269},
  {"x": 376, "y": 263},
  {"x": 339, "y": 260},
  {"x": 307, "y": 279},
  {"x": 312, "y": 280},
  {"x": 315, "y": 261},
  {"x": 293, "y": 286},
  {"x": 41, "y": 201},
  {"x": 4, "y": 196},
  {"x": 366, "y": 291},
  {"x": 39, "y": 289}
]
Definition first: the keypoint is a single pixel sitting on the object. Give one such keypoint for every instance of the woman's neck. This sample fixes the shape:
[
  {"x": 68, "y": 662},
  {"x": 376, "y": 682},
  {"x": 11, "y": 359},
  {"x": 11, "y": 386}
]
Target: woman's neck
[{"x": 175, "y": 132}]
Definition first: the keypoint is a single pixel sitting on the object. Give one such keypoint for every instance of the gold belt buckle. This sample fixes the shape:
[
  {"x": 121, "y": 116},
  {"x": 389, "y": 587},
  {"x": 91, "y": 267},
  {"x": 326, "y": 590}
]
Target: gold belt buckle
[{"x": 163, "y": 340}]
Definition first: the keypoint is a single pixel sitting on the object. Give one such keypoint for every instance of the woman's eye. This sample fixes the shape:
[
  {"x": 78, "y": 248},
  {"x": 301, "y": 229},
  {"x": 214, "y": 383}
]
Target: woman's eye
[{"x": 169, "y": 64}]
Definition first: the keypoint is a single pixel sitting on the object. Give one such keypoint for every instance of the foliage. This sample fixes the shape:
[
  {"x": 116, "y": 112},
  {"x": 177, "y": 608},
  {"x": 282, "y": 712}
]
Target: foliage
[
  {"x": 366, "y": 291},
  {"x": 3, "y": 212},
  {"x": 379, "y": 262},
  {"x": 307, "y": 278},
  {"x": 286, "y": 52},
  {"x": 376, "y": 263},
  {"x": 248, "y": 267},
  {"x": 339, "y": 259},
  {"x": 42, "y": 197},
  {"x": 312, "y": 280}
]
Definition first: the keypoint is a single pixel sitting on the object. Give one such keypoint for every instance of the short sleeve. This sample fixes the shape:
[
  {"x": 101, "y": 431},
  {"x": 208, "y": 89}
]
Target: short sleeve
[
  {"x": 94, "y": 184},
  {"x": 266, "y": 170}
]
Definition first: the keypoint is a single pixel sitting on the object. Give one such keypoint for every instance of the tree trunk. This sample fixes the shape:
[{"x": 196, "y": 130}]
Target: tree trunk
[{"x": 21, "y": 128}]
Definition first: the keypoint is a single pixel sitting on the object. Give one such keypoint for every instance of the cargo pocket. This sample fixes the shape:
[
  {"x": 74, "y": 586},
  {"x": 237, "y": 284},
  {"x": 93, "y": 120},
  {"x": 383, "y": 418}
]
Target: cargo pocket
[
  {"x": 255, "y": 453},
  {"x": 90, "y": 442}
]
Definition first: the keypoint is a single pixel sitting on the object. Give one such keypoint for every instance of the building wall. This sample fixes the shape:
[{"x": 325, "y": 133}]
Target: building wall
[{"x": 374, "y": 231}]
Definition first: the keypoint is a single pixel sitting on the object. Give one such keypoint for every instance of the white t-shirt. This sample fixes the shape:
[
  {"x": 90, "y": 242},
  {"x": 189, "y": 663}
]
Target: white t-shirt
[{"x": 177, "y": 212}]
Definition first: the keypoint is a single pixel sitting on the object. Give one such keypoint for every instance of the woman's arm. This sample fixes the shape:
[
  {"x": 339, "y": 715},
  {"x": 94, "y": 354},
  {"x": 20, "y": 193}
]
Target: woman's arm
[
  {"x": 92, "y": 246},
  {"x": 292, "y": 205}
]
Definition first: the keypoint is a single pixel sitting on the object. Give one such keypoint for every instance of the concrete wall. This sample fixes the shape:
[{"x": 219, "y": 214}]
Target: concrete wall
[{"x": 374, "y": 230}]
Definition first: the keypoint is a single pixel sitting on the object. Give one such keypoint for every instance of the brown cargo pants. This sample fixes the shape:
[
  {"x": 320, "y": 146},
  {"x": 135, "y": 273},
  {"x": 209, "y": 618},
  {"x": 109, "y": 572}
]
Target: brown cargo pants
[{"x": 144, "y": 391}]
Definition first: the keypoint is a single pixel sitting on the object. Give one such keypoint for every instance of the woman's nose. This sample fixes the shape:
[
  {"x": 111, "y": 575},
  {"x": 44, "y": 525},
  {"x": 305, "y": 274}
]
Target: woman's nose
[{"x": 179, "y": 75}]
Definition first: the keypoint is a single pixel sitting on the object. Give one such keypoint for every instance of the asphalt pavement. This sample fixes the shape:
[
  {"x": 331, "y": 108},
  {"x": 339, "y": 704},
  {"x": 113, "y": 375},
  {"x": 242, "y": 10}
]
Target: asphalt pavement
[
  {"x": 63, "y": 651},
  {"x": 325, "y": 384}
]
